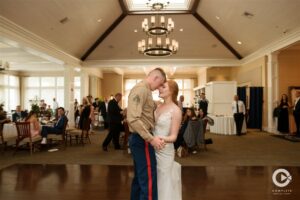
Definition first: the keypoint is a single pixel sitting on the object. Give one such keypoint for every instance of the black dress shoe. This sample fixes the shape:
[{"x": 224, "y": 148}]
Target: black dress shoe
[{"x": 104, "y": 148}]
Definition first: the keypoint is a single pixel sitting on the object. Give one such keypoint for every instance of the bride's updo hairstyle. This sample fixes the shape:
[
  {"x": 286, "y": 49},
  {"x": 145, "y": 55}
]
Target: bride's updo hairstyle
[{"x": 174, "y": 90}]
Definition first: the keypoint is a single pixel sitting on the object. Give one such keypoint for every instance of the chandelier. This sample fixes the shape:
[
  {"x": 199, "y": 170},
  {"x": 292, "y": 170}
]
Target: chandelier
[{"x": 157, "y": 30}]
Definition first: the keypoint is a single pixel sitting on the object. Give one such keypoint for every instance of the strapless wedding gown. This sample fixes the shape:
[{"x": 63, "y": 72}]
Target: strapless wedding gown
[{"x": 168, "y": 171}]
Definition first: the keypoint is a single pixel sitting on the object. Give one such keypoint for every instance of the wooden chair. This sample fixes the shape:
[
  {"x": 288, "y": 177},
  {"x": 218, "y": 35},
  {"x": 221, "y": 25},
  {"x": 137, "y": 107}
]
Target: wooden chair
[
  {"x": 80, "y": 134},
  {"x": 24, "y": 136},
  {"x": 60, "y": 137}
]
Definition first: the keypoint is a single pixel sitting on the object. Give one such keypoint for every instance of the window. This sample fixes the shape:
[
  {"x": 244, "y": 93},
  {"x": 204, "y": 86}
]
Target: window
[
  {"x": 77, "y": 85},
  {"x": 37, "y": 88},
  {"x": 186, "y": 89},
  {"x": 9, "y": 92}
]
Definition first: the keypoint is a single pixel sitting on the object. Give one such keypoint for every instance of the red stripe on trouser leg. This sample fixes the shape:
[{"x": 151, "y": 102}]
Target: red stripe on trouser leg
[{"x": 148, "y": 171}]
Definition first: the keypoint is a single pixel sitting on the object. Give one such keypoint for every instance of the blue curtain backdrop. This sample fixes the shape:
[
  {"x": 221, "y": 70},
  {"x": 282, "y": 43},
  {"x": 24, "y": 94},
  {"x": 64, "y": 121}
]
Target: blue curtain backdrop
[
  {"x": 255, "y": 110},
  {"x": 241, "y": 92}
]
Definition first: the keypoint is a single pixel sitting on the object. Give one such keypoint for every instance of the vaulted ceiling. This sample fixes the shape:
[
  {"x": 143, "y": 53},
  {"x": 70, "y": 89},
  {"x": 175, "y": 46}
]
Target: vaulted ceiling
[{"x": 103, "y": 30}]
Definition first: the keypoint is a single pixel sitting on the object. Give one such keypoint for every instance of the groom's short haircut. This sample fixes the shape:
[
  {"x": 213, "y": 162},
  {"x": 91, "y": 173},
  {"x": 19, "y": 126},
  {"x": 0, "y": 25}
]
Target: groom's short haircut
[{"x": 159, "y": 71}]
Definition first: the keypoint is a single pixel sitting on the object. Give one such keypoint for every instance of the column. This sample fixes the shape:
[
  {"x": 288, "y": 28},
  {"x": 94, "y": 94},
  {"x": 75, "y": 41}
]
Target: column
[
  {"x": 272, "y": 86},
  {"x": 69, "y": 93}
]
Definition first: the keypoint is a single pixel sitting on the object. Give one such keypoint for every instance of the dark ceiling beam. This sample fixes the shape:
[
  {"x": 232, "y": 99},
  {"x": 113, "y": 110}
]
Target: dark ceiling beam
[
  {"x": 195, "y": 6},
  {"x": 217, "y": 35},
  {"x": 103, "y": 36},
  {"x": 123, "y": 7}
]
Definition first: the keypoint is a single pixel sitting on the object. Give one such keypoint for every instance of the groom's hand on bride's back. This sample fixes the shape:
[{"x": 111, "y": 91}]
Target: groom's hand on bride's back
[{"x": 157, "y": 143}]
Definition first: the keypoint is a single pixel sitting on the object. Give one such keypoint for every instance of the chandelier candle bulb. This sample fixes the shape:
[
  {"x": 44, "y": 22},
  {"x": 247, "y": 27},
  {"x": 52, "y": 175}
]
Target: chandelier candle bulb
[
  {"x": 152, "y": 20},
  {"x": 162, "y": 20},
  {"x": 167, "y": 41},
  {"x": 159, "y": 41},
  {"x": 149, "y": 41}
]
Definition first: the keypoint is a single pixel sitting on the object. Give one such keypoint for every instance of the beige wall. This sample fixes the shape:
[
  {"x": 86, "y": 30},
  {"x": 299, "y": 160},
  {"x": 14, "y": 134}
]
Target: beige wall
[
  {"x": 251, "y": 74},
  {"x": 112, "y": 83},
  {"x": 95, "y": 86},
  {"x": 288, "y": 70},
  {"x": 219, "y": 74}
]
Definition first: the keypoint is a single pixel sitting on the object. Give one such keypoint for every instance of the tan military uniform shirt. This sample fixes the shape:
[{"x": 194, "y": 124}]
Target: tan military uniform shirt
[{"x": 140, "y": 110}]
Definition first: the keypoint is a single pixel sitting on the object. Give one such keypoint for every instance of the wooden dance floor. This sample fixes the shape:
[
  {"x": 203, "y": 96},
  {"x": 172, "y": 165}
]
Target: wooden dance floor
[{"x": 97, "y": 182}]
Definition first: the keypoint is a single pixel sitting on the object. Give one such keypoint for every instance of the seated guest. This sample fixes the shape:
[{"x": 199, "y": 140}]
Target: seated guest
[
  {"x": 57, "y": 128},
  {"x": 49, "y": 112},
  {"x": 189, "y": 115},
  {"x": 3, "y": 117},
  {"x": 34, "y": 123},
  {"x": 18, "y": 115}
]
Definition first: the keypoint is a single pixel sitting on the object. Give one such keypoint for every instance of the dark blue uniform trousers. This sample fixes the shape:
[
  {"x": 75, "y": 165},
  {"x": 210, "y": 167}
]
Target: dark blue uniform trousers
[{"x": 144, "y": 183}]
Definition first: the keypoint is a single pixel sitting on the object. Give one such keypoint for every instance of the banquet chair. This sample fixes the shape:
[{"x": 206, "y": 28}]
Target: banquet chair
[
  {"x": 81, "y": 135},
  {"x": 24, "y": 136},
  {"x": 60, "y": 137}
]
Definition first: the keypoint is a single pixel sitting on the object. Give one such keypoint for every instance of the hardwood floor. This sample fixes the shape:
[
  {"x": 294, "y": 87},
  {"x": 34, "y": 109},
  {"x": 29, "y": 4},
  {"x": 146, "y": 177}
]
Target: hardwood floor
[{"x": 89, "y": 182}]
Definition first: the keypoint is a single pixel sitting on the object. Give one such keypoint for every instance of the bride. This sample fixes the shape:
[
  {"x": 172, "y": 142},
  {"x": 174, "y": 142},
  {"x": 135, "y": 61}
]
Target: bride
[{"x": 167, "y": 123}]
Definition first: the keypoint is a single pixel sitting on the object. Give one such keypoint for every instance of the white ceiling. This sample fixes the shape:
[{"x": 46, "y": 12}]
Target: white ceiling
[{"x": 272, "y": 20}]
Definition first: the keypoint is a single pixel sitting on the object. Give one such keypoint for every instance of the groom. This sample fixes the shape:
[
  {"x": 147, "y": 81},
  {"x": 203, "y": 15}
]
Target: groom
[{"x": 140, "y": 117}]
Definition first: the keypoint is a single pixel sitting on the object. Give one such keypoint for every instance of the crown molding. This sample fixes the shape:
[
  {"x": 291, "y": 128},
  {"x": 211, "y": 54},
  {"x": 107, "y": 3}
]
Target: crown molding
[
  {"x": 273, "y": 47},
  {"x": 19, "y": 37},
  {"x": 163, "y": 63}
]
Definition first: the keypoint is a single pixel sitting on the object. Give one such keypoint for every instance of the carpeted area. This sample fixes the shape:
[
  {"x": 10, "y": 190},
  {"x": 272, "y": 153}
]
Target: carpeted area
[
  {"x": 291, "y": 138},
  {"x": 253, "y": 149}
]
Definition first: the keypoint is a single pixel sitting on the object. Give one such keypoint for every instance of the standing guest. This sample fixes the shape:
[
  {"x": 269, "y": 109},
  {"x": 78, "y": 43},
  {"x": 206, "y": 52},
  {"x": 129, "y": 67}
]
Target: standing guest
[
  {"x": 189, "y": 115},
  {"x": 140, "y": 117},
  {"x": 203, "y": 103},
  {"x": 115, "y": 117},
  {"x": 296, "y": 113},
  {"x": 283, "y": 115},
  {"x": 180, "y": 103},
  {"x": 96, "y": 104},
  {"x": 86, "y": 113},
  {"x": 103, "y": 109},
  {"x": 34, "y": 123},
  {"x": 54, "y": 105},
  {"x": 238, "y": 109},
  {"x": 57, "y": 128},
  {"x": 18, "y": 115}
]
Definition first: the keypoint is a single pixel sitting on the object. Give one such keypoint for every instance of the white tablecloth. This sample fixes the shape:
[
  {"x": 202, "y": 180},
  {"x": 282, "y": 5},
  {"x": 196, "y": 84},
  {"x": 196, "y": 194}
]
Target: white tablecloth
[
  {"x": 225, "y": 125},
  {"x": 10, "y": 133}
]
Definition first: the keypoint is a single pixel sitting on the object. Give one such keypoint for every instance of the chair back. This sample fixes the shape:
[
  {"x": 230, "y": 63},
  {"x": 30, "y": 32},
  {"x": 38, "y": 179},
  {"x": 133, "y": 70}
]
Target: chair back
[{"x": 23, "y": 129}]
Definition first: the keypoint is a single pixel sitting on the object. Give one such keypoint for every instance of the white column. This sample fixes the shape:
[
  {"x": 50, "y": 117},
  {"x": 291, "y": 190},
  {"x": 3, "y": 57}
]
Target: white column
[
  {"x": 69, "y": 93},
  {"x": 272, "y": 85},
  {"x": 84, "y": 84}
]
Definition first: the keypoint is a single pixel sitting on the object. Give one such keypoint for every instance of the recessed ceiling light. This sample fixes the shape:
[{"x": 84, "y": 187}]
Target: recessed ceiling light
[
  {"x": 248, "y": 14},
  {"x": 181, "y": 29},
  {"x": 99, "y": 20},
  {"x": 239, "y": 42},
  {"x": 64, "y": 20},
  {"x": 218, "y": 18},
  {"x": 135, "y": 30}
]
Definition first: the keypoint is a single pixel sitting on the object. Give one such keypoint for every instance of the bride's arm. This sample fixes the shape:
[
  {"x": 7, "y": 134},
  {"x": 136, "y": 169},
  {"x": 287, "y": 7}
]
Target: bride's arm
[{"x": 175, "y": 125}]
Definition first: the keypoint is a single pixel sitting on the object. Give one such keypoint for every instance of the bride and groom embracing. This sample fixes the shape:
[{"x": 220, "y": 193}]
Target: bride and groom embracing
[{"x": 156, "y": 174}]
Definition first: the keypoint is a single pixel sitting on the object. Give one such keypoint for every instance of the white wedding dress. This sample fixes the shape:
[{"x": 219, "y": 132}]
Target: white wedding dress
[{"x": 168, "y": 171}]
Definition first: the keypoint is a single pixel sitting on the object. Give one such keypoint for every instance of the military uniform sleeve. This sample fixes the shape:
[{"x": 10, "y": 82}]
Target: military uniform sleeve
[{"x": 136, "y": 101}]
